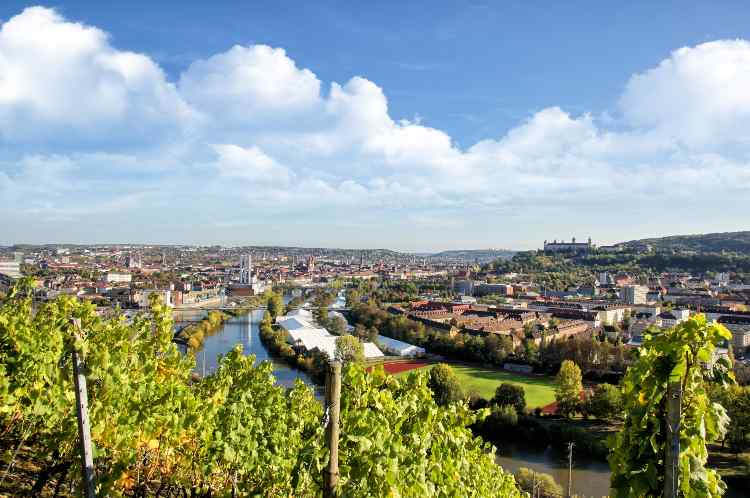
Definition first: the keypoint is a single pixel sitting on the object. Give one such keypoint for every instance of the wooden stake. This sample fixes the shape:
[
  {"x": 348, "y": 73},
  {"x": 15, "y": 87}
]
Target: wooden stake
[
  {"x": 672, "y": 449},
  {"x": 333, "y": 406},
  {"x": 570, "y": 470},
  {"x": 82, "y": 412}
]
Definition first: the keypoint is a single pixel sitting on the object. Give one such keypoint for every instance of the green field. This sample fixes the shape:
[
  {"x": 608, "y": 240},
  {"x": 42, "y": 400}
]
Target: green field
[{"x": 540, "y": 391}]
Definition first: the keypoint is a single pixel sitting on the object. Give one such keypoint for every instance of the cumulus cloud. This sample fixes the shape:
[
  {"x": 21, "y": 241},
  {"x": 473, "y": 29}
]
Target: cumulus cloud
[
  {"x": 62, "y": 82},
  {"x": 249, "y": 163},
  {"x": 250, "y": 85},
  {"x": 248, "y": 127},
  {"x": 697, "y": 96}
]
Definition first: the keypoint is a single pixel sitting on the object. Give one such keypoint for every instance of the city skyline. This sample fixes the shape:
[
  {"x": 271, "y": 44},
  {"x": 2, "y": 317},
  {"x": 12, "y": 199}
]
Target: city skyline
[{"x": 234, "y": 133}]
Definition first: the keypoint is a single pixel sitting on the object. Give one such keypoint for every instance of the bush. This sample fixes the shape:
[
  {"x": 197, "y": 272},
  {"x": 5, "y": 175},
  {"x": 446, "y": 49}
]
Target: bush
[
  {"x": 604, "y": 402},
  {"x": 538, "y": 483},
  {"x": 510, "y": 394},
  {"x": 505, "y": 416},
  {"x": 444, "y": 385},
  {"x": 477, "y": 402}
]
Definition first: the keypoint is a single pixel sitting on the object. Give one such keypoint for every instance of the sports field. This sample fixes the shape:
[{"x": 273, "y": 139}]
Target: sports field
[{"x": 540, "y": 391}]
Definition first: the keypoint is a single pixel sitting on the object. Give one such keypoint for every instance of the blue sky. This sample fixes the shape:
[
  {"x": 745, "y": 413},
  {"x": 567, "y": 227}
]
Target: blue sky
[{"x": 423, "y": 126}]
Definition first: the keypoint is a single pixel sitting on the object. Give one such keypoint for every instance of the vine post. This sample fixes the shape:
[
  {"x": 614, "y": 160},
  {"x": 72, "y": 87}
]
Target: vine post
[
  {"x": 570, "y": 470},
  {"x": 82, "y": 414},
  {"x": 672, "y": 446},
  {"x": 333, "y": 407}
]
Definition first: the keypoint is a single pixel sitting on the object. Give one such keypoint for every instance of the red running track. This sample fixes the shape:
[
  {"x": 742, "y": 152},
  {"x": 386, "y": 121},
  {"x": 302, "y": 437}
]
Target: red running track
[{"x": 403, "y": 366}]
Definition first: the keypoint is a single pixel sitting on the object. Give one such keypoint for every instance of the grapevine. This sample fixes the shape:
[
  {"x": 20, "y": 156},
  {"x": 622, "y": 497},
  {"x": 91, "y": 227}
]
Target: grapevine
[{"x": 685, "y": 354}]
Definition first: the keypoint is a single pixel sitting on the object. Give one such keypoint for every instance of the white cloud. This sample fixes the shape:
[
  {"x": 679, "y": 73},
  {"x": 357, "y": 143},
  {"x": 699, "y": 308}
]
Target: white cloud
[
  {"x": 61, "y": 82},
  {"x": 698, "y": 96},
  {"x": 250, "y": 85},
  {"x": 247, "y": 128},
  {"x": 250, "y": 164}
]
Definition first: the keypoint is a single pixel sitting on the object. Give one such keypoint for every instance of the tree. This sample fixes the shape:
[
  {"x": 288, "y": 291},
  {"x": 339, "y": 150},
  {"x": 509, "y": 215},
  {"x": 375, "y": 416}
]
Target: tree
[
  {"x": 510, "y": 394},
  {"x": 349, "y": 349},
  {"x": 568, "y": 387},
  {"x": 604, "y": 402},
  {"x": 444, "y": 384},
  {"x": 678, "y": 355},
  {"x": 736, "y": 400},
  {"x": 538, "y": 484},
  {"x": 275, "y": 304},
  {"x": 337, "y": 325}
]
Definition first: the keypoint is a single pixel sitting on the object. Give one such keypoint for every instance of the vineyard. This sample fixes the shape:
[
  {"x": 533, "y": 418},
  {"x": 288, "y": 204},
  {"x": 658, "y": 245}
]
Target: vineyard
[{"x": 156, "y": 431}]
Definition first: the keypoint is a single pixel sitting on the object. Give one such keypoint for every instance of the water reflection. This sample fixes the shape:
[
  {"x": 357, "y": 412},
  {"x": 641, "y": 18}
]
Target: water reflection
[
  {"x": 238, "y": 330},
  {"x": 590, "y": 477}
]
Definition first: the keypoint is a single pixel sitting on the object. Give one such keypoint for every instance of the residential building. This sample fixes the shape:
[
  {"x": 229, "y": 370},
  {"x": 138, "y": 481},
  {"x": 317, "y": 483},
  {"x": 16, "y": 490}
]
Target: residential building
[
  {"x": 119, "y": 278},
  {"x": 739, "y": 326},
  {"x": 10, "y": 268},
  {"x": 486, "y": 289},
  {"x": 669, "y": 319},
  {"x": 634, "y": 294},
  {"x": 166, "y": 297}
]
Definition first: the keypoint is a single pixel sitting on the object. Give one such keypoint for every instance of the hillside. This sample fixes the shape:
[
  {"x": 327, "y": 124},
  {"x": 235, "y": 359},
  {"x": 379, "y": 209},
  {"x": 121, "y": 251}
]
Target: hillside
[{"x": 710, "y": 242}]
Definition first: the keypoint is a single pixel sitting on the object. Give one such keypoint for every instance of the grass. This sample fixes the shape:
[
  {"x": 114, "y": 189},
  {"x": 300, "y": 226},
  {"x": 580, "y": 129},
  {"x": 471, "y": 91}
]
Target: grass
[{"x": 540, "y": 391}]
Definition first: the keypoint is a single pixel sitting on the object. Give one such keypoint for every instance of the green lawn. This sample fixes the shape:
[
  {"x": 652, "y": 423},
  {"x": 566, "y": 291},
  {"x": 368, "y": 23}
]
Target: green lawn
[{"x": 540, "y": 391}]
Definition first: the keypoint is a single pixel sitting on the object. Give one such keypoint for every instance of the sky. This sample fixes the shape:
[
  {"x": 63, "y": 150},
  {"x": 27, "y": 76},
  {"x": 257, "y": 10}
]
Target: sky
[{"x": 414, "y": 126}]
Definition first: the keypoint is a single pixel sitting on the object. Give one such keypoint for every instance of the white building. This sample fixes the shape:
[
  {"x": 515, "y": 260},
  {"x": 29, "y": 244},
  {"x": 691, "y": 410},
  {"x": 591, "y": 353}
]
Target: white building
[
  {"x": 399, "y": 348},
  {"x": 246, "y": 269},
  {"x": 634, "y": 294},
  {"x": 304, "y": 334},
  {"x": 113, "y": 277},
  {"x": 11, "y": 269},
  {"x": 739, "y": 326},
  {"x": 722, "y": 278},
  {"x": 166, "y": 297},
  {"x": 133, "y": 260},
  {"x": 669, "y": 319}
]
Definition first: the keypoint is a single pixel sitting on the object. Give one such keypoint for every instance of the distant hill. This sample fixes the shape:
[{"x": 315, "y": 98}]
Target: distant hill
[
  {"x": 709, "y": 242},
  {"x": 471, "y": 255}
]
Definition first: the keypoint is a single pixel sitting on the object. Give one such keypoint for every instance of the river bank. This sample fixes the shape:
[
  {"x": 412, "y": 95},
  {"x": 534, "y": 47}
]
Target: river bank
[
  {"x": 192, "y": 335},
  {"x": 240, "y": 326}
]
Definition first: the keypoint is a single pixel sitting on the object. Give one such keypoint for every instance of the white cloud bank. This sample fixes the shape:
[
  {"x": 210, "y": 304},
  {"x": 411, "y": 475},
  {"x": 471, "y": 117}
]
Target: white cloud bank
[{"x": 249, "y": 128}]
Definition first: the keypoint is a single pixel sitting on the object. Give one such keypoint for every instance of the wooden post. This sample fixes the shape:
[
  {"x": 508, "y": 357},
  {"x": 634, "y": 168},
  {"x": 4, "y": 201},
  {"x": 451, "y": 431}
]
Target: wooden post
[
  {"x": 570, "y": 470},
  {"x": 333, "y": 406},
  {"x": 672, "y": 446},
  {"x": 82, "y": 412}
]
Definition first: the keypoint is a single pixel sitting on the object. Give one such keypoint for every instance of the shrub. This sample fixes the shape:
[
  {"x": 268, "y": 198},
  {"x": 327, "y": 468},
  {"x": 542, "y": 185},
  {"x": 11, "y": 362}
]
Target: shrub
[
  {"x": 444, "y": 385},
  {"x": 538, "y": 483},
  {"x": 604, "y": 402},
  {"x": 510, "y": 394}
]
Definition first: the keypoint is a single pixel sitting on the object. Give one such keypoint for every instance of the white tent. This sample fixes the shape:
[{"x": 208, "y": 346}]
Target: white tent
[{"x": 399, "y": 348}]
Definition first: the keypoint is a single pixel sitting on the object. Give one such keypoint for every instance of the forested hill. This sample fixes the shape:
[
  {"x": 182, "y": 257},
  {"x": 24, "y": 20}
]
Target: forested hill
[{"x": 709, "y": 242}]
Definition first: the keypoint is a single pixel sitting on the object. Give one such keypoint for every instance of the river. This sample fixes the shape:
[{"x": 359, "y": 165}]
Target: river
[
  {"x": 590, "y": 477},
  {"x": 239, "y": 330}
]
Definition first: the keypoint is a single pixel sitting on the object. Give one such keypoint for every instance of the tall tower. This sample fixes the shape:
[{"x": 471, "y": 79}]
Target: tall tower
[
  {"x": 133, "y": 260},
  {"x": 246, "y": 269}
]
